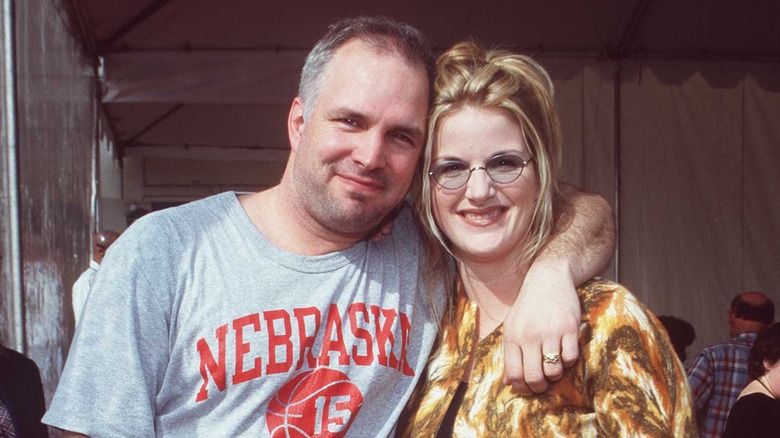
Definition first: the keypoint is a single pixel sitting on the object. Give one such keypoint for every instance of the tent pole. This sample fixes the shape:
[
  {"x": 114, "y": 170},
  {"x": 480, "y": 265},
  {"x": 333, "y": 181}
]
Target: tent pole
[
  {"x": 12, "y": 176},
  {"x": 618, "y": 79}
]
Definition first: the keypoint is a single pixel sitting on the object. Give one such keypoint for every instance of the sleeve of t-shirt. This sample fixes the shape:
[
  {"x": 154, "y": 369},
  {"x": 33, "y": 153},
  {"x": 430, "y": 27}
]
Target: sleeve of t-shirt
[{"x": 119, "y": 353}]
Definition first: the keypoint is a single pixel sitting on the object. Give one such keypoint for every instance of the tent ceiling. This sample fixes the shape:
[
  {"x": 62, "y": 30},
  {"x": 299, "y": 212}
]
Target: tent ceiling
[
  {"x": 677, "y": 27},
  {"x": 208, "y": 75}
]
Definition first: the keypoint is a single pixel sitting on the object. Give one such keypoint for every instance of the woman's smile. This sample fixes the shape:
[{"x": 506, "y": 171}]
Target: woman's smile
[{"x": 483, "y": 217}]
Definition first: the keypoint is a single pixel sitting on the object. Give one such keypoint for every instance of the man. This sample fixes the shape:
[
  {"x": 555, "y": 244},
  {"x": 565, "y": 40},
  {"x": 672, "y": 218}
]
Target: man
[
  {"x": 719, "y": 372},
  {"x": 100, "y": 243},
  {"x": 270, "y": 313}
]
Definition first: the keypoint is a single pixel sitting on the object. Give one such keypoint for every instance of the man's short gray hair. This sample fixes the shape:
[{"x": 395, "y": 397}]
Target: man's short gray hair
[{"x": 381, "y": 32}]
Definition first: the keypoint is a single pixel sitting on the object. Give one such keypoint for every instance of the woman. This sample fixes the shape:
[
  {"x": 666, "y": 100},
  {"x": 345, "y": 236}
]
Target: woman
[
  {"x": 488, "y": 200},
  {"x": 757, "y": 410}
]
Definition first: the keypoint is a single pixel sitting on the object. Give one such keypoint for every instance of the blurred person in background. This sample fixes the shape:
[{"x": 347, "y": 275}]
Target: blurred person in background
[
  {"x": 21, "y": 396},
  {"x": 681, "y": 333},
  {"x": 100, "y": 243},
  {"x": 756, "y": 414},
  {"x": 720, "y": 372}
]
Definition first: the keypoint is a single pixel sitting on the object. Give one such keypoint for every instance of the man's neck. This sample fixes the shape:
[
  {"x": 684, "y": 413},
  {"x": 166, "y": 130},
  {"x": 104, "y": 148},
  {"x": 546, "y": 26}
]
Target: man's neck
[
  {"x": 277, "y": 217},
  {"x": 742, "y": 326}
]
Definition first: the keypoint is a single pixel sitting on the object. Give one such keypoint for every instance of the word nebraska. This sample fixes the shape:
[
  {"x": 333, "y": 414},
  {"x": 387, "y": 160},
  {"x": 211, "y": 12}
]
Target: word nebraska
[{"x": 371, "y": 331}]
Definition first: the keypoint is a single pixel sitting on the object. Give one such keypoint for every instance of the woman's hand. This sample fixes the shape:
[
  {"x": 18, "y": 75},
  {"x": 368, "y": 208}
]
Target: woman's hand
[
  {"x": 544, "y": 320},
  {"x": 385, "y": 227}
]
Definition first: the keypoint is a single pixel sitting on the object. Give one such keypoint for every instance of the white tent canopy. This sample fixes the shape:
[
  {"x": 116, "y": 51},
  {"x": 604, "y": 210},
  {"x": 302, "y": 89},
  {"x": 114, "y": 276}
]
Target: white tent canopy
[{"x": 201, "y": 74}]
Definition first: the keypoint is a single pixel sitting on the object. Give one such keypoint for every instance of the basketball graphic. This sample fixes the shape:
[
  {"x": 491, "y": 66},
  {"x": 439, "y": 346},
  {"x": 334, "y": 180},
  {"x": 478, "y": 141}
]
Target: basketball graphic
[{"x": 316, "y": 403}]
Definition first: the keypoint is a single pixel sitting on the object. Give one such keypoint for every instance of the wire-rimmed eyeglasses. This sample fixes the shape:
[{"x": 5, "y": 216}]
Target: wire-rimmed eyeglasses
[{"x": 502, "y": 169}]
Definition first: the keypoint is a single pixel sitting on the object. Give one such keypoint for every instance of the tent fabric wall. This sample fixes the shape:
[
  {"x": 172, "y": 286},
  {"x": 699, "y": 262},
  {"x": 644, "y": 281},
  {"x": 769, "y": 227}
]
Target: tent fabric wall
[
  {"x": 585, "y": 98},
  {"x": 695, "y": 148},
  {"x": 698, "y": 189},
  {"x": 56, "y": 132},
  {"x": 761, "y": 206}
]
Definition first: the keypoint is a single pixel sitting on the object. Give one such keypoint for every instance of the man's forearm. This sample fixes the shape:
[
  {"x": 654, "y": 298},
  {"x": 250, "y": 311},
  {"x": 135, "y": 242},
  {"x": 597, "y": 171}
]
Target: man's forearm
[
  {"x": 584, "y": 236},
  {"x": 545, "y": 317}
]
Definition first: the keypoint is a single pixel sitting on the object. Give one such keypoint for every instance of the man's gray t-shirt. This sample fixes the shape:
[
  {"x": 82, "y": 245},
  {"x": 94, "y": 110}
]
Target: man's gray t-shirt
[{"x": 198, "y": 326}]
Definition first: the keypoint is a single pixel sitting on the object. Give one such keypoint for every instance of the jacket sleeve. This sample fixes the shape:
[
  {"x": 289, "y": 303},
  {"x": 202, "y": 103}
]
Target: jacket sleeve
[{"x": 638, "y": 384}]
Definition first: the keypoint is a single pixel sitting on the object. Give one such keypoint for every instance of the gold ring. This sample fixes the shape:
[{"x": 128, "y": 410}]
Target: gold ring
[{"x": 551, "y": 358}]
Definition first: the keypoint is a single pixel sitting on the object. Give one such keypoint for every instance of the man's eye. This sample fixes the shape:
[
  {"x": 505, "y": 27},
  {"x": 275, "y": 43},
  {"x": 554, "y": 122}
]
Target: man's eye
[
  {"x": 404, "y": 138},
  {"x": 350, "y": 122}
]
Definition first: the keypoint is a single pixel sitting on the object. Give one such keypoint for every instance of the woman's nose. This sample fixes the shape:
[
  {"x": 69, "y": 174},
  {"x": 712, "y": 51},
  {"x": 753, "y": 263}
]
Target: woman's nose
[{"x": 479, "y": 186}]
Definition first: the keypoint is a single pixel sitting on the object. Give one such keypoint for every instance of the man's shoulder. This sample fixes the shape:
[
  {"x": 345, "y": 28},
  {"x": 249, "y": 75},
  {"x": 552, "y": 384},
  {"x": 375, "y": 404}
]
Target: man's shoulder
[
  {"x": 715, "y": 352},
  {"x": 161, "y": 238},
  {"x": 190, "y": 216},
  {"x": 406, "y": 242},
  {"x": 406, "y": 229},
  {"x": 712, "y": 349},
  {"x": 732, "y": 344},
  {"x": 216, "y": 205}
]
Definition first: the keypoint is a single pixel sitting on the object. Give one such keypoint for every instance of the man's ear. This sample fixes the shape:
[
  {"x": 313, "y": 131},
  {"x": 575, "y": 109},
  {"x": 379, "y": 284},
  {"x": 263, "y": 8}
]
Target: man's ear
[{"x": 295, "y": 123}]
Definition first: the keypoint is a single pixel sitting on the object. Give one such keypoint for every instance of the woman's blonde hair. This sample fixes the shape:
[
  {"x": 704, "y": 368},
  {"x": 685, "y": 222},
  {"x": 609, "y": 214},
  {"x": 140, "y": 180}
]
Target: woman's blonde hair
[{"x": 468, "y": 75}]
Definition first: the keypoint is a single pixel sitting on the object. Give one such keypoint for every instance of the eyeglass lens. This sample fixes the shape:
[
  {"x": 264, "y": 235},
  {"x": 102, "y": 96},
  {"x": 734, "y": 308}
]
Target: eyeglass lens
[{"x": 501, "y": 169}]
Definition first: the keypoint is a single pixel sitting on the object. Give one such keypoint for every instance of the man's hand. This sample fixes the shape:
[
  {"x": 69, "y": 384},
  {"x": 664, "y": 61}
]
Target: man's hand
[
  {"x": 546, "y": 316},
  {"x": 544, "y": 320}
]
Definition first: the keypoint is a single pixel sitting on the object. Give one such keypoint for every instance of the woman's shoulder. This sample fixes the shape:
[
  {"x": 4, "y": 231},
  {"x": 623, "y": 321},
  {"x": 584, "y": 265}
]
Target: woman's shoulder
[
  {"x": 755, "y": 400},
  {"x": 754, "y": 414},
  {"x": 598, "y": 285},
  {"x": 605, "y": 302},
  {"x": 600, "y": 292}
]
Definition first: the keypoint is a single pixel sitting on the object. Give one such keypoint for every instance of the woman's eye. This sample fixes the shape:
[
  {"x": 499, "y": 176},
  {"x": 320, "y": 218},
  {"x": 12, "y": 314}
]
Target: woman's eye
[
  {"x": 451, "y": 168},
  {"x": 505, "y": 163}
]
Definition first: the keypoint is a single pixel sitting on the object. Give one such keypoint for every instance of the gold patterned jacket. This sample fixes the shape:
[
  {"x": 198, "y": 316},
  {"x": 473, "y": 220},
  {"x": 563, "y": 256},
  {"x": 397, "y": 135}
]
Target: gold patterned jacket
[{"x": 628, "y": 381}]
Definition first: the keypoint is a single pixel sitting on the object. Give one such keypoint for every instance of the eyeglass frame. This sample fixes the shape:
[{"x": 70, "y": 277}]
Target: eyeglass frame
[{"x": 471, "y": 170}]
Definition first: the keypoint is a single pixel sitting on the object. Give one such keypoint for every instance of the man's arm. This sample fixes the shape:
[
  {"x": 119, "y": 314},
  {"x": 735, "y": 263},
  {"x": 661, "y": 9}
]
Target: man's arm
[
  {"x": 120, "y": 351},
  {"x": 545, "y": 318},
  {"x": 700, "y": 382}
]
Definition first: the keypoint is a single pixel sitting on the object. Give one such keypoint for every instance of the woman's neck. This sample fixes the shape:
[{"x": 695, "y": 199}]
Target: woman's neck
[
  {"x": 767, "y": 387},
  {"x": 494, "y": 287},
  {"x": 757, "y": 386}
]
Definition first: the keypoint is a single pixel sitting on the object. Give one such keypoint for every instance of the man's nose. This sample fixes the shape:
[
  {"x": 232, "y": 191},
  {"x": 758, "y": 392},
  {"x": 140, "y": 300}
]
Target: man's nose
[{"x": 370, "y": 152}]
